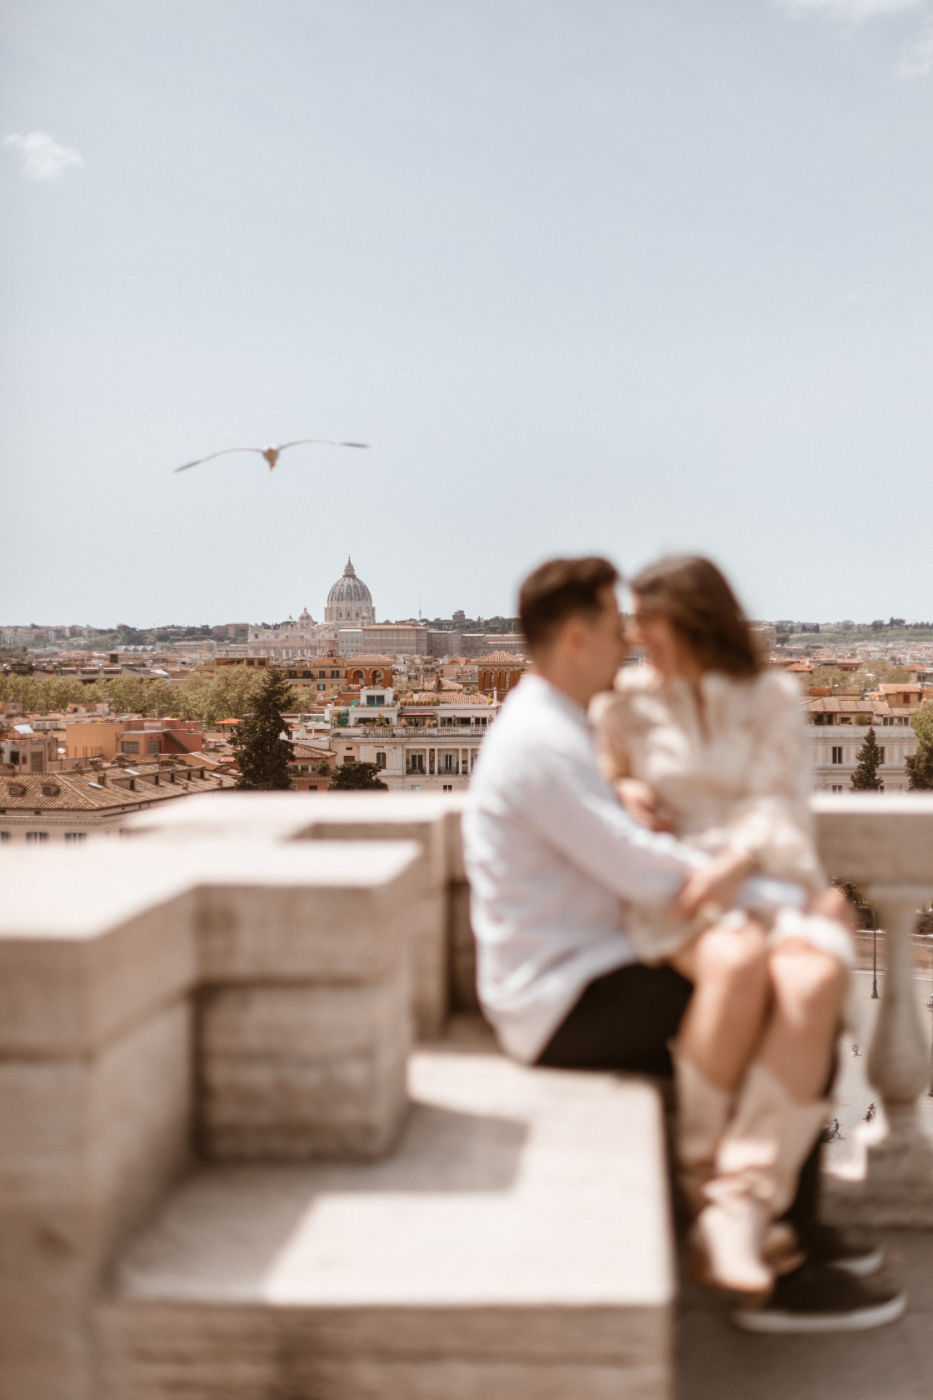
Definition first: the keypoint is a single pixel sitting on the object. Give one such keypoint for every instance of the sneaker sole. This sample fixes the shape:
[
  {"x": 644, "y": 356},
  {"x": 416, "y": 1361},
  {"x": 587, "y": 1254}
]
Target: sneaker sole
[{"x": 782, "y": 1322}]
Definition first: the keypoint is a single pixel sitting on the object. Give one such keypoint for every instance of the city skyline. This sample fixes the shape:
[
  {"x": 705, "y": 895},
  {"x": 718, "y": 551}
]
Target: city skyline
[{"x": 614, "y": 279}]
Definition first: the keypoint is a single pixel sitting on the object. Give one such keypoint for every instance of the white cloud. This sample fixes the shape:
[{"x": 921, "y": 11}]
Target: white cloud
[
  {"x": 917, "y": 58},
  {"x": 852, "y": 11},
  {"x": 40, "y": 157},
  {"x": 917, "y": 61}
]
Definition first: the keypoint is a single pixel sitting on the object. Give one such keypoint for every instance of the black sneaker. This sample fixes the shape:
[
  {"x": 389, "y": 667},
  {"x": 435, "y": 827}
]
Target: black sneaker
[
  {"x": 859, "y": 1252},
  {"x": 815, "y": 1298}
]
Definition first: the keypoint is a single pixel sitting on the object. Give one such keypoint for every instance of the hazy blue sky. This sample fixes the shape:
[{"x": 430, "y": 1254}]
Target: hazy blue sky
[{"x": 623, "y": 276}]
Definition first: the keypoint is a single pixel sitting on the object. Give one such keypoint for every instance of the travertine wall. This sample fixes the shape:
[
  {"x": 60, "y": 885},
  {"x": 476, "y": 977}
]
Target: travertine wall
[{"x": 248, "y": 1000}]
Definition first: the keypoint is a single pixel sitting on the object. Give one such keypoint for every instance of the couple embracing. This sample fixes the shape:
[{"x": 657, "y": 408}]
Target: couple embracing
[{"x": 646, "y": 896}]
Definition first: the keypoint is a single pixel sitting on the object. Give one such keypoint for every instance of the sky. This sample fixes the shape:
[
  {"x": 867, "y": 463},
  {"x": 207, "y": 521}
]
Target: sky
[{"x": 623, "y": 277}]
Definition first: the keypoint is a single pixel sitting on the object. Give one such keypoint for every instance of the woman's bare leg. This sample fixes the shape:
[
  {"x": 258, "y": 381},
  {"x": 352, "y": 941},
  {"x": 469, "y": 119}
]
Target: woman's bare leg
[
  {"x": 809, "y": 989},
  {"x": 723, "y": 1024}
]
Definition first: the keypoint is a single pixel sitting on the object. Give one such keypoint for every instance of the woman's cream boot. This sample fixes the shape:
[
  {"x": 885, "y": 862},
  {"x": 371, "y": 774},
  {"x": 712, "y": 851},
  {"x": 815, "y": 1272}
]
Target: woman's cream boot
[
  {"x": 755, "y": 1176},
  {"x": 702, "y": 1112}
]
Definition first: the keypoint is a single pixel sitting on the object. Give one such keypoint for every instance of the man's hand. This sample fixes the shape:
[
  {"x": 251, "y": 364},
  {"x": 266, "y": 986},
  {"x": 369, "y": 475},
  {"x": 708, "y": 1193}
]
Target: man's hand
[
  {"x": 643, "y": 804},
  {"x": 712, "y": 888}
]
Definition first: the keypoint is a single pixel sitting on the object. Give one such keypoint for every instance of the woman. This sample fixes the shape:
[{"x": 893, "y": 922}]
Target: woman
[{"x": 707, "y": 742}]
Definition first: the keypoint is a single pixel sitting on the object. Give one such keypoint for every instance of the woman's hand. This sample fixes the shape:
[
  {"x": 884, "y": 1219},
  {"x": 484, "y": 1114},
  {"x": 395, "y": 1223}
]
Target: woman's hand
[
  {"x": 712, "y": 888},
  {"x": 643, "y": 804},
  {"x": 832, "y": 904}
]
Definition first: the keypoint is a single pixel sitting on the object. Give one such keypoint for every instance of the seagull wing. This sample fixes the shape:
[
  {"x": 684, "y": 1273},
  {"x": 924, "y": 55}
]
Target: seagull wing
[
  {"x": 225, "y": 453},
  {"x": 325, "y": 442}
]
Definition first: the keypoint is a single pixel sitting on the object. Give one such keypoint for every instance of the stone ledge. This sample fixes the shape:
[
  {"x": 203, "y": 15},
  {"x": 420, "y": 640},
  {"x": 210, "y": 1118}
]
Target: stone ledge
[
  {"x": 876, "y": 837},
  {"x": 90, "y": 945},
  {"x": 515, "y": 1245},
  {"x": 288, "y": 816},
  {"x": 281, "y": 821}
]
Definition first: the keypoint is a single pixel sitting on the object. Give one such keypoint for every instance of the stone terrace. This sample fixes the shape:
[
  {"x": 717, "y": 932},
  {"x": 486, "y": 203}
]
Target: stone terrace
[{"x": 258, "y": 1145}]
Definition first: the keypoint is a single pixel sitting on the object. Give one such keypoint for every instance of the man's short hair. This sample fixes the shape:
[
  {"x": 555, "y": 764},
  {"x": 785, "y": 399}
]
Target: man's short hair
[{"x": 559, "y": 589}]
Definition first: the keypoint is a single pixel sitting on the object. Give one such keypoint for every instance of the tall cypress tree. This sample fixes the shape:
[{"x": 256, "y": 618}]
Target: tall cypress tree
[
  {"x": 263, "y": 755},
  {"x": 865, "y": 778}
]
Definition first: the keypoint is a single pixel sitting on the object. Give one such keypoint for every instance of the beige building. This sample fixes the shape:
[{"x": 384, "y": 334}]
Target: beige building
[
  {"x": 838, "y": 726},
  {"x": 430, "y": 745}
]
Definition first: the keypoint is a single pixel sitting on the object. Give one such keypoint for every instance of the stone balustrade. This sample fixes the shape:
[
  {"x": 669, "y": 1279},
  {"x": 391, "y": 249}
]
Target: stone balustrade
[
  {"x": 242, "y": 980},
  {"x": 884, "y": 844}
]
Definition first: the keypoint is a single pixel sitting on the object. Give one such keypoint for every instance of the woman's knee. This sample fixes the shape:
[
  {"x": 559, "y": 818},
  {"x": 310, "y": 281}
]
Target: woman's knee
[
  {"x": 813, "y": 980},
  {"x": 735, "y": 956}
]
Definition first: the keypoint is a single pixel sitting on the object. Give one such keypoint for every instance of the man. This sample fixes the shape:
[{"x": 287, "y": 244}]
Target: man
[{"x": 552, "y": 856}]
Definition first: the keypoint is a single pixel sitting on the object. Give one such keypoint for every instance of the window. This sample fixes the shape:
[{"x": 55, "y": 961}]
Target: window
[
  {"x": 380, "y": 760},
  {"x": 129, "y": 746},
  {"x": 837, "y": 787},
  {"x": 881, "y": 757},
  {"x": 154, "y": 746},
  {"x": 37, "y": 836},
  {"x": 416, "y": 763},
  {"x": 447, "y": 787},
  {"x": 414, "y": 787},
  {"x": 450, "y": 763},
  {"x": 75, "y": 835},
  {"x": 36, "y": 761},
  {"x": 4, "y": 836},
  {"x": 837, "y": 753}
]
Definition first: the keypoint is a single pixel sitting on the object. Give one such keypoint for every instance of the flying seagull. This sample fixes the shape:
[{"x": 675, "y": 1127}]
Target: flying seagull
[{"x": 271, "y": 454}]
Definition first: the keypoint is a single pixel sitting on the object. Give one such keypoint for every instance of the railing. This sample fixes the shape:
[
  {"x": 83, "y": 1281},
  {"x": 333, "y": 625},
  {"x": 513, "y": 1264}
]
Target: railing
[
  {"x": 433, "y": 734},
  {"x": 884, "y": 845}
]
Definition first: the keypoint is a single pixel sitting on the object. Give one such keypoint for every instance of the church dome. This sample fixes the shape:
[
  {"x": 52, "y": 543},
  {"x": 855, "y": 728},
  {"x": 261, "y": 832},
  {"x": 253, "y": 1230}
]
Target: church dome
[
  {"x": 349, "y": 588},
  {"x": 349, "y": 601}
]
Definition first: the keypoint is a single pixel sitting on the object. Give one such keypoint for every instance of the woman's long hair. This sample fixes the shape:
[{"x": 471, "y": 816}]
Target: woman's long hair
[{"x": 694, "y": 597}]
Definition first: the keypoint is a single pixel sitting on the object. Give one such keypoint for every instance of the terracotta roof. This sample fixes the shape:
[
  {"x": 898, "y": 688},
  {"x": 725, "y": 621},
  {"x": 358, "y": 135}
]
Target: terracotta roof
[
  {"x": 845, "y": 704},
  {"x": 197, "y": 759},
  {"x": 501, "y": 658},
  {"x": 442, "y": 697},
  {"x": 73, "y": 792},
  {"x": 366, "y": 658},
  {"x": 308, "y": 751}
]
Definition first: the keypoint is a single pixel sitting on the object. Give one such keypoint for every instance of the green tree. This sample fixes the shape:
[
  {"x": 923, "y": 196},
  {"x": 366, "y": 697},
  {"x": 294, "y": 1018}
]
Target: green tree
[
  {"x": 263, "y": 755},
  {"x": 831, "y": 677},
  {"x": 230, "y": 694},
  {"x": 920, "y": 765},
  {"x": 352, "y": 775},
  {"x": 138, "y": 695},
  {"x": 865, "y": 778}
]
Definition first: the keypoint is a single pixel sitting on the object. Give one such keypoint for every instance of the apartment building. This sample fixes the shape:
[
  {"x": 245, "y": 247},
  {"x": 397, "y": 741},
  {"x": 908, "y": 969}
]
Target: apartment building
[{"x": 837, "y": 729}]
